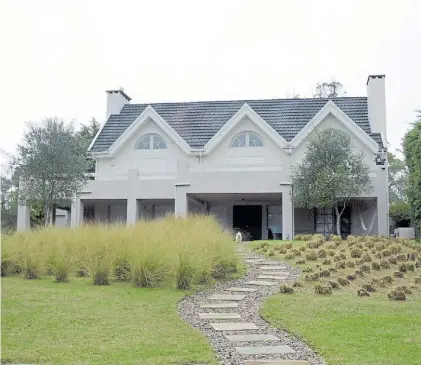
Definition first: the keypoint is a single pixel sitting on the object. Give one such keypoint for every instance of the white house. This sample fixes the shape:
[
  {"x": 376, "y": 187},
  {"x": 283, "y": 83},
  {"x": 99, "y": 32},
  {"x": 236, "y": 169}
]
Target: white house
[{"x": 231, "y": 159}]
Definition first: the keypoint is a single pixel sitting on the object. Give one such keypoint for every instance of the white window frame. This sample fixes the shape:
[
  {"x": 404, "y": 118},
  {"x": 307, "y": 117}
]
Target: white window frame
[
  {"x": 152, "y": 137},
  {"x": 247, "y": 139}
]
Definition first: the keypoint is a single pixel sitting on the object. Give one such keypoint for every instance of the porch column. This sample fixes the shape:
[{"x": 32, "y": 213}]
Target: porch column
[
  {"x": 287, "y": 214},
  {"x": 132, "y": 211},
  {"x": 181, "y": 207},
  {"x": 24, "y": 218},
  {"x": 264, "y": 221},
  {"x": 76, "y": 212},
  {"x": 382, "y": 216}
]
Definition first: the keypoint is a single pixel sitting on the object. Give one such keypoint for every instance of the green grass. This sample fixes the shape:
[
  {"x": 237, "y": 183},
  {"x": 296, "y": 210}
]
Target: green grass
[
  {"x": 78, "y": 323},
  {"x": 344, "y": 328}
]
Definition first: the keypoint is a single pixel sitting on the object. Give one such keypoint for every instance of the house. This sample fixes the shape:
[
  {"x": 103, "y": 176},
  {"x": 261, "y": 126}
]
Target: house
[{"x": 231, "y": 159}]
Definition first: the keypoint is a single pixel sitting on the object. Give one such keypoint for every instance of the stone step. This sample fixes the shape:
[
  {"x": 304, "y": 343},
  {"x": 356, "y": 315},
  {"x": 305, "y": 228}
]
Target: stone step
[
  {"x": 219, "y": 316},
  {"x": 256, "y": 261},
  {"x": 274, "y": 277},
  {"x": 219, "y": 305},
  {"x": 233, "y": 326},
  {"x": 263, "y": 350},
  {"x": 252, "y": 338},
  {"x": 248, "y": 290},
  {"x": 233, "y": 297},
  {"x": 269, "y": 267},
  {"x": 279, "y": 273},
  {"x": 259, "y": 282},
  {"x": 276, "y": 362}
]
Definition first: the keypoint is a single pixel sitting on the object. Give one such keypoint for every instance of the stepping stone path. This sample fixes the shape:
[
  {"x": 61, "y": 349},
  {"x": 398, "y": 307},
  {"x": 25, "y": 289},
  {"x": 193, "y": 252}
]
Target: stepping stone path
[{"x": 242, "y": 323}]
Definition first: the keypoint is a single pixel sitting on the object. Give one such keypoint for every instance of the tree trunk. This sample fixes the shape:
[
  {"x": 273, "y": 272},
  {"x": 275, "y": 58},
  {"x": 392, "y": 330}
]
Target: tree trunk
[
  {"x": 338, "y": 221},
  {"x": 48, "y": 215}
]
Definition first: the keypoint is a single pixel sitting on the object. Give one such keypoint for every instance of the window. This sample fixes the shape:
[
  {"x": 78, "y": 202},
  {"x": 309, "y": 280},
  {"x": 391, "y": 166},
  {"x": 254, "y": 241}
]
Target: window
[
  {"x": 247, "y": 139},
  {"x": 151, "y": 142}
]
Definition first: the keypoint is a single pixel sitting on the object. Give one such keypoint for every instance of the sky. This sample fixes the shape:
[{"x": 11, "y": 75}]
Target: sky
[{"x": 59, "y": 57}]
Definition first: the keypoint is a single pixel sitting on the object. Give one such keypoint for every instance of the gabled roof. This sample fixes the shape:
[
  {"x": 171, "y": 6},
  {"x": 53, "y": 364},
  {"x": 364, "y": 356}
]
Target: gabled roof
[{"x": 198, "y": 122}]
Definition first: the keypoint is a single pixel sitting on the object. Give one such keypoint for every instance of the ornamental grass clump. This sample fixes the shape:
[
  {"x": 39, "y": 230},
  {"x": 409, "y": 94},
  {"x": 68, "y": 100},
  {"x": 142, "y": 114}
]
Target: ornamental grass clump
[
  {"x": 285, "y": 289},
  {"x": 323, "y": 289}
]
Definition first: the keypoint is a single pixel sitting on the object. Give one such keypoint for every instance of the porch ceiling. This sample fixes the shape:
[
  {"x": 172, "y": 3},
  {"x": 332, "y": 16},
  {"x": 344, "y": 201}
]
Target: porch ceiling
[{"x": 249, "y": 197}]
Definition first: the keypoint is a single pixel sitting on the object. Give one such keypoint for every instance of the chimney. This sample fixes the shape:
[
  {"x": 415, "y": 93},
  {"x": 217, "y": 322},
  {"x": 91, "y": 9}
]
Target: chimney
[
  {"x": 116, "y": 99},
  {"x": 376, "y": 103}
]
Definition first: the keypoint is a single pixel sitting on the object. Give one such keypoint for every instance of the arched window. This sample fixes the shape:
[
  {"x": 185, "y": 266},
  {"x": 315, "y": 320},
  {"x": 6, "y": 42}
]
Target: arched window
[
  {"x": 151, "y": 141},
  {"x": 247, "y": 139}
]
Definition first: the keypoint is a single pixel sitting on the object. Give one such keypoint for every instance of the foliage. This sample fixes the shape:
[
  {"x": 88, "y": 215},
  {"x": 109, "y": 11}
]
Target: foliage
[
  {"x": 400, "y": 212},
  {"x": 330, "y": 173},
  {"x": 398, "y": 178},
  {"x": 412, "y": 151},
  {"x": 166, "y": 252},
  {"x": 52, "y": 163},
  {"x": 328, "y": 89},
  {"x": 87, "y": 133}
]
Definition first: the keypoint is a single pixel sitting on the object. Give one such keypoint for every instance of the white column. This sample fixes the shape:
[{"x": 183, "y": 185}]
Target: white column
[
  {"x": 382, "y": 216},
  {"x": 287, "y": 214},
  {"x": 132, "y": 211},
  {"x": 181, "y": 207},
  {"x": 264, "y": 221},
  {"x": 76, "y": 213},
  {"x": 24, "y": 218}
]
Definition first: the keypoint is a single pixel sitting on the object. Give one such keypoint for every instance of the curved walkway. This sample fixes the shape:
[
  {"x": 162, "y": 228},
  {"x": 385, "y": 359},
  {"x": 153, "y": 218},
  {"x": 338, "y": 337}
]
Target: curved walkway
[{"x": 229, "y": 315}]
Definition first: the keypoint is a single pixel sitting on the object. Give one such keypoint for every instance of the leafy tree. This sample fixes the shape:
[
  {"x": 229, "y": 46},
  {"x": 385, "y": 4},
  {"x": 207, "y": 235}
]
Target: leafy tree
[
  {"x": 400, "y": 213},
  {"x": 398, "y": 178},
  {"x": 330, "y": 174},
  {"x": 329, "y": 89},
  {"x": 412, "y": 151},
  {"x": 52, "y": 162},
  {"x": 87, "y": 134}
]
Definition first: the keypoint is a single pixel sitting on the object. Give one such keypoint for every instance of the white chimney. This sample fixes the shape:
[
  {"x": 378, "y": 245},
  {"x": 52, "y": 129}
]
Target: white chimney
[
  {"x": 376, "y": 102},
  {"x": 116, "y": 99}
]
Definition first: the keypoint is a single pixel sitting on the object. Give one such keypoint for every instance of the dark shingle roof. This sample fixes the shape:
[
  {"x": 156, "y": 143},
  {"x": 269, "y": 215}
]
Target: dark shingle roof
[{"x": 198, "y": 122}]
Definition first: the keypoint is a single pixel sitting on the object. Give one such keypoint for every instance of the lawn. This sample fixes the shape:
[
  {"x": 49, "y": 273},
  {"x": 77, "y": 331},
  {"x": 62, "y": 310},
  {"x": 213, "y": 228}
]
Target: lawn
[
  {"x": 344, "y": 328},
  {"x": 78, "y": 323}
]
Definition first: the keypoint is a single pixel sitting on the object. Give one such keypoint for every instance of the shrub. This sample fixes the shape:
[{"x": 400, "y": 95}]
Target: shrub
[
  {"x": 282, "y": 250},
  {"x": 350, "y": 264},
  {"x": 332, "y": 269},
  {"x": 385, "y": 264},
  {"x": 417, "y": 281},
  {"x": 312, "y": 277},
  {"x": 335, "y": 238},
  {"x": 379, "y": 255},
  {"x": 386, "y": 279},
  {"x": 333, "y": 284},
  {"x": 401, "y": 257},
  {"x": 337, "y": 258},
  {"x": 365, "y": 268},
  {"x": 358, "y": 273},
  {"x": 326, "y": 262},
  {"x": 297, "y": 284},
  {"x": 302, "y": 248},
  {"x": 122, "y": 270},
  {"x": 296, "y": 252},
  {"x": 311, "y": 256},
  {"x": 351, "y": 277},
  {"x": 321, "y": 253},
  {"x": 285, "y": 289},
  {"x": 363, "y": 293},
  {"x": 314, "y": 243},
  {"x": 324, "y": 274},
  {"x": 289, "y": 256},
  {"x": 356, "y": 252},
  {"x": 368, "y": 287},
  {"x": 331, "y": 253},
  {"x": 272, "y": 253},
  {"x": 404, "y": 289},
  {"x": 396, "y": 295},
  {"x": 398, "y": 274},
  {"x": 392, "y": 260},
  {"x": 287, "y": 245},
  {"x": 340, "y": 265},
  {"x": 323, "y": 289},
  {"x": 395, "y": 248},
  {"x": 410, "y": 267},
  {"x": 375, "y": 265},
  {"x": 300, "y": 262},
  {"x": 411, "y": 256},
  {"x": 386, "y": 253},
  {"x": 402, "y": 268},
  {"x": 343, "y": 282},
  {"x": 307, "y": 269},
  {"x": 342, "y": 256},
  {"x": 380, "y": 246}
]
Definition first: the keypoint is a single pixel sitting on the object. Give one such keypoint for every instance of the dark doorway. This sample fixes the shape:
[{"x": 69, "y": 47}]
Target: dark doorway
[{"x": 248, "y": 219}]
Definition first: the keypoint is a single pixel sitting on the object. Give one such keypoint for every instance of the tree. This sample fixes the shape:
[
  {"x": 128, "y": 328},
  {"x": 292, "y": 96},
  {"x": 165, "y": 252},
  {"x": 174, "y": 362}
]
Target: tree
[
  {"x": 87, "y": 133},
  {"x": 412, "y": 152},
  {"x": 398, "y": 178},
  {"x": 330, "y": 89},
  {"x": 330, "y": 174},
  {"x": 52, "y": 162},
  {"x": 400, "y": 213}
]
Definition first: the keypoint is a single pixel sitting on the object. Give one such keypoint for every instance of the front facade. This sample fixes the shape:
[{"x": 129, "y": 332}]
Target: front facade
[{"x": 231, "y": 159}]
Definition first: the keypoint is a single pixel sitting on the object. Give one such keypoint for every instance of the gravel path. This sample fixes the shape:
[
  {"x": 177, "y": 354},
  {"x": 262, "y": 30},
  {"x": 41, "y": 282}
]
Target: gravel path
[{"x": 248, "y": 308}]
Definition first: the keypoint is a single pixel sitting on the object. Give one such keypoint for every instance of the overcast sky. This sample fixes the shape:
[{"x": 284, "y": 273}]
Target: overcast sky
[{"x": 59, "y": 57}]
